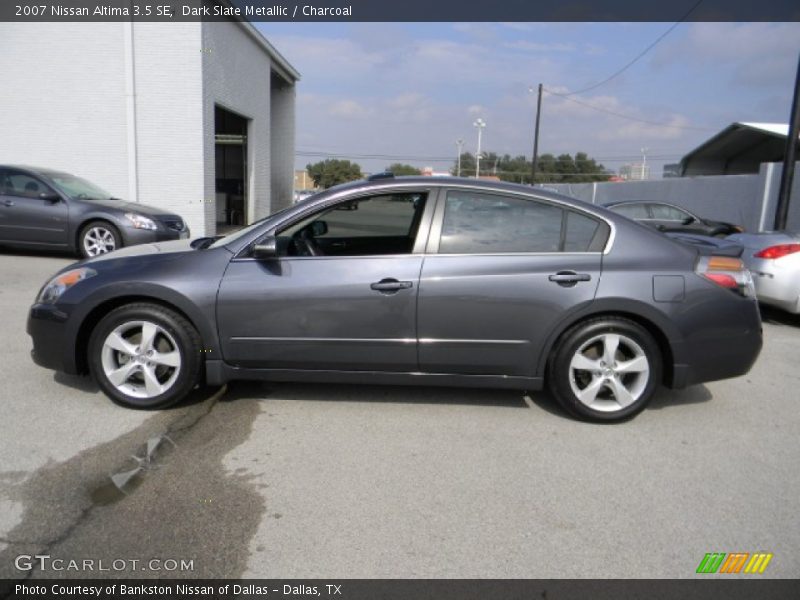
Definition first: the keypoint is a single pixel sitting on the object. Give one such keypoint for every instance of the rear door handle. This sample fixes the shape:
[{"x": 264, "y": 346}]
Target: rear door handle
[
  {"x": 569, "y": 278},
  {"x": 390, "y": 285}
]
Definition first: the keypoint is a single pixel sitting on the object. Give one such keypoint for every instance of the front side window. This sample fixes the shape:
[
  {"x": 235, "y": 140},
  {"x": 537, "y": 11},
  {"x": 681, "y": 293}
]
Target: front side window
[
  {"x": 476, "y": 223},
  {"x": 14, "y": 183},
  {"x": 373, "y": 225}
]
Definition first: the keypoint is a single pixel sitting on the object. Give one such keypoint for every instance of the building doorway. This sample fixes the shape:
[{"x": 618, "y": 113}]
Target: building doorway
[{"x": 230, "y": 147}]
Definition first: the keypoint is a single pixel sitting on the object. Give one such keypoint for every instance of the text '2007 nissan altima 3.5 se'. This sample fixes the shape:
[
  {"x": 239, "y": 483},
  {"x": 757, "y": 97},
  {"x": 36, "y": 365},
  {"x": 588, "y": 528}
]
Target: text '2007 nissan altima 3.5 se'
[{"x": 431, "y": 281}]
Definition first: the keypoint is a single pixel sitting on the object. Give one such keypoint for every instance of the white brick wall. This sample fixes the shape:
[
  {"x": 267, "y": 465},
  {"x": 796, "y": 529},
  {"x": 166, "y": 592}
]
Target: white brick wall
[
  {"x": 63, "y": 105},
  {"x": 62, "y": 102}
]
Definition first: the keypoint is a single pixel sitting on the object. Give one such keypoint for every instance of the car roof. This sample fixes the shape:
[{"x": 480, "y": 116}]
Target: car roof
[
  {"x": 624, "y": 202},
  {"x": 43, "y": 171},
  {"x": 445, "y": 181}
]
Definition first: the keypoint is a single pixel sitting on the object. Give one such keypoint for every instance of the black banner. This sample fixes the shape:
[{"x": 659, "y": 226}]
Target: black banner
[
  {"x": 406, "y": 11},
  {"x": 387, "y": 589}
]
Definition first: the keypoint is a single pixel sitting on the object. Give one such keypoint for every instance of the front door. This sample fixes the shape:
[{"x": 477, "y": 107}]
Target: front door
[
  {"x": 28, "y": 212},
  {"x": 341, "y": 295}
]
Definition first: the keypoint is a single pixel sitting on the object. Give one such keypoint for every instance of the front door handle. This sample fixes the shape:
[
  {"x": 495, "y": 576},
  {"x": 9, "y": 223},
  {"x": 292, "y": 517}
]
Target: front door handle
[
  {"x": 569, "y": 278},
  {"x": 390, "y": 286}
]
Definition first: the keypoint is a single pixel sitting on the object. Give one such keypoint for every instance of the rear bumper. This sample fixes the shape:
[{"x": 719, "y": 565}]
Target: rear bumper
[
  {"x": 778, "y": 282},
  {"x": 714, "y": 357}
]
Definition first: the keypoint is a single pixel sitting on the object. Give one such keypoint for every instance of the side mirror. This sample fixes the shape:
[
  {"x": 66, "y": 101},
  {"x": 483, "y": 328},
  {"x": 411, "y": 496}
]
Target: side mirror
[
  {"x": 50, "y": 197},
  {"x": 267, "y": 249},
  {"x": 319, "y": 228},
  {"x": 688, "y": 221}
]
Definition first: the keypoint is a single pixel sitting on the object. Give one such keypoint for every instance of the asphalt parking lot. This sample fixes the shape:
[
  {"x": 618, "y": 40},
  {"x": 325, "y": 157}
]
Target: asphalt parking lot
[{"x": 300, "y": 480}]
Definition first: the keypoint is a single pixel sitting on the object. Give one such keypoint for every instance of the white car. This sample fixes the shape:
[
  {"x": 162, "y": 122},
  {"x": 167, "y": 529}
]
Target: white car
[{"x": 774, "y": 261}]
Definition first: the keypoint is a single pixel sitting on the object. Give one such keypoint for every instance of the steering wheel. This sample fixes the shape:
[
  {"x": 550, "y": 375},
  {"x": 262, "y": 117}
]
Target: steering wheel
[{"x": 305, "y": 244}]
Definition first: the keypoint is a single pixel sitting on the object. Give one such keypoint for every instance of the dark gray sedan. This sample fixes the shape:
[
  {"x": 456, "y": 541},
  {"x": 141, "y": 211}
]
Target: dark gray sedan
[
  {"x": 51, "y": 210},
  {"x": 439, "y": 281}
]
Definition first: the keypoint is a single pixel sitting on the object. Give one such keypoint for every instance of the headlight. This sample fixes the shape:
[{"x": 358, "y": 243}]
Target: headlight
[
  {"x": 61, "y": 283},
  {"x": 140, "y": 221}
]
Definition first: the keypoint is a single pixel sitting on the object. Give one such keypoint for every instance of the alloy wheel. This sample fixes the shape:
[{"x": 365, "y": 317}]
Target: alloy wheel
[
  {"x": 98, "y": 240},
  {"x": 141, "y": 359},
  {"x": 609, "y": 372}
]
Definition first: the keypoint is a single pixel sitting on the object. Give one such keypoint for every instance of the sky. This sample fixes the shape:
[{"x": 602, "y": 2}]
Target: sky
[{"x": 407, "y": 92}]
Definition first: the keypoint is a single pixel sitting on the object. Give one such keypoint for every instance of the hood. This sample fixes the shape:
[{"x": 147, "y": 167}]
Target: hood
[
  {"x": 124, "y": 205},
  {"x": 144, "y": 249}
]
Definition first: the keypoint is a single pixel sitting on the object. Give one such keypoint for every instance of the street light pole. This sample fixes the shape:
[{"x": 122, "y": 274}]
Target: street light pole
[
  {"x": 535, "y": 157},
  {"x": 644, "y": 164},
  {"x": 459, "y": 145},
  {"x": 480, "y": 124}
]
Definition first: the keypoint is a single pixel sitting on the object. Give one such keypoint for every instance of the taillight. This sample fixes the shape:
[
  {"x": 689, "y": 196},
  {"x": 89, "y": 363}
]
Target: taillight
[
  {"x": 778, "y": 251},
  {"x": 727, "y": 272}
]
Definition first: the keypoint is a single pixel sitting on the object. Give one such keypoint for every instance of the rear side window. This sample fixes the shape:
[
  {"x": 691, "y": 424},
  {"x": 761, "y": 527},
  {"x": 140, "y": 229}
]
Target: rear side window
[
  {"x": 632, "y": 211},
  {"x": 477, "y": 223},
  {"x": 667, "y": 213}
]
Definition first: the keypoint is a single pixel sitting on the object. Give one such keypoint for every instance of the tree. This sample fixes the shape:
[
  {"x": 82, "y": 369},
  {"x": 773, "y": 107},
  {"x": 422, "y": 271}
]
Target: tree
[
  {"x": 563, "y": 169},
  {"x": 333, "y": 171},
  {"x": 402, "y": 169}
]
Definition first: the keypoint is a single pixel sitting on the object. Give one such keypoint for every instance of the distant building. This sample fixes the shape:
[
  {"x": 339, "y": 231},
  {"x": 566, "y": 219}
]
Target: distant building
[
  {"x": 429, "y": 172},
  {"x": 738, "y": 149},
  {"x": 635, "y": 172},
  {"x": 303, "y": 181}
]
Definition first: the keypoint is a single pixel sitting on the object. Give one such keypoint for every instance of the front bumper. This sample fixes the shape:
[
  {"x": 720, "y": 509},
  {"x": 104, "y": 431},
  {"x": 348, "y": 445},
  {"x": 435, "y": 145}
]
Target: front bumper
[
  {"x": 132, "y": 236},
  {"x": 47, "y": 327}
]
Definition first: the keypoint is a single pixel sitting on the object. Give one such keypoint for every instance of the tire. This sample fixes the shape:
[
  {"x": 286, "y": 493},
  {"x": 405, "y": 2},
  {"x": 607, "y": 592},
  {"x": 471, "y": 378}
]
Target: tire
[
  {"x": 145, "y": 373},
  {"x": 98, "y": 237},
  {"x": 590, "y": 383}
]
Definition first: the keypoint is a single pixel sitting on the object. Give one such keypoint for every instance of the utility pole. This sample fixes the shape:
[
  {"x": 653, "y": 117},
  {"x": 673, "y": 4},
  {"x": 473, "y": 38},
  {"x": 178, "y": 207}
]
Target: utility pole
[
  {"x": 459, "y": 145},
  {"x": 787, "y": 176},
  {"x": 480, "y": 124},
  {"x": 535, "y": 158}
]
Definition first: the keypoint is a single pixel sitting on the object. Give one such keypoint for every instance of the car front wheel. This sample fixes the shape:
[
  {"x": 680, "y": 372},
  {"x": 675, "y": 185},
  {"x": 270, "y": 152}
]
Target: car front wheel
[
  {"x": 605, "y": 369},
  {"x": 98, "y": 237},
  {"x": 145, "y": 356}
]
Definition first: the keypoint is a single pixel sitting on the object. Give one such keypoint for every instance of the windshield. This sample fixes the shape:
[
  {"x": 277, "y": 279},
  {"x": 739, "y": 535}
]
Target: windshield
[
  {"x": 243, "y": 232},
  {"x": 78, "y": 188}
]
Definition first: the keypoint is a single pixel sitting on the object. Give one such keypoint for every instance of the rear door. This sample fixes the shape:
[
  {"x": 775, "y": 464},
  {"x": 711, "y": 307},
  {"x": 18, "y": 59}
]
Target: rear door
[
  {"x": 28, "y": 213},
  {"x": 499, "y": 274}
]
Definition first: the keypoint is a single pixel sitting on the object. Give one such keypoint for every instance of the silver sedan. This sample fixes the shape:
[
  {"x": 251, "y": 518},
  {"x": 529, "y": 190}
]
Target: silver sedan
[{"x": 774, "y": 261}]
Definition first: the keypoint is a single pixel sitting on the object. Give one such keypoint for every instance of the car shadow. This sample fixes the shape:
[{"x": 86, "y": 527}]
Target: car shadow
[
  {"x": 65, "y": 254},
  {"x": 318, "y": 392},
  {"x": 775, "y": 316},
  {"x": 84, "y": 383}
]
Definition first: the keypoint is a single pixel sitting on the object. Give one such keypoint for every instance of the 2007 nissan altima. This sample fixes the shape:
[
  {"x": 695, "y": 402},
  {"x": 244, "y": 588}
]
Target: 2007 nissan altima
[{"x": 417, "y": 280}]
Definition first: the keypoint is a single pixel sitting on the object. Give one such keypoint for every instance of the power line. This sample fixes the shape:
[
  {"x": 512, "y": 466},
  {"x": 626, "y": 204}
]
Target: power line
[
  {"x": 641, "y": 54},
  {"x": 628, "y": 117}
]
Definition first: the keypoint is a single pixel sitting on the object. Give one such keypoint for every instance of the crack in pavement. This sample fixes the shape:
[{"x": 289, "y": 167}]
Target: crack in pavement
[{"x": 55, "y": 499}]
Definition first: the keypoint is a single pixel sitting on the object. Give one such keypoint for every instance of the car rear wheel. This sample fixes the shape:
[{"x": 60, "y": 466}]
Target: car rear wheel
[
  {"x": 98, "y": 237},
  {"x": 145, "y": 356},
  {"x": 605, "y": 369}
]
